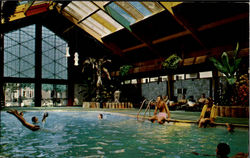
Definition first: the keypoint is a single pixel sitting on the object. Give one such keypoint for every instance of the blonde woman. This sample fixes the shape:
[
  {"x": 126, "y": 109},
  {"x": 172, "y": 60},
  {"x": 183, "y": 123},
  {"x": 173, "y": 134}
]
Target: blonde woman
[{"x": 208, "y": 113}]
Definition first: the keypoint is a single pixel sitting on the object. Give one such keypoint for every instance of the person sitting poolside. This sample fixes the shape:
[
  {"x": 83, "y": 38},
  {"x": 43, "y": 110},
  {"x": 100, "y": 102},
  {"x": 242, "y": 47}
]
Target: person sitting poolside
[
  {"x": 208, "y": 114},
  {"x": 183, "y": 100},
  {"x": 19, "y": 116},
  {"x": 163, "y": 112},
  {"x": 202, "y": 100}
]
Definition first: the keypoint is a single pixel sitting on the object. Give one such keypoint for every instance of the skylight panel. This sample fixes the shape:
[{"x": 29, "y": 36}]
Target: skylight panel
[
  {"x": 122, "y": 13},
  {"x": 73, "y": 13},
  {"x": 154, "y": 7},
  {"x": 141, "y": 8},
  {"x": 132, "y": 11},
  {"x": 110, "y": 23},
  {"x": 89, "y": 23},
  {"x": 100, "y": 26},
  {"x": 86, "y": 6},
  {"x": 101, "y": 3},
  {"x": 73, "y": 7}
]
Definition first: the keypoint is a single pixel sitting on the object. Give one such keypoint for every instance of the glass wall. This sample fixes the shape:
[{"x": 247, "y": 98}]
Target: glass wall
[
  {"x": 54, "y": 62},
  {"x": 19, "y": 94},
  {"x": 19, "y": 53},
  {"x": 19, "y": 63},
  {"x": 54, "y": 95}
]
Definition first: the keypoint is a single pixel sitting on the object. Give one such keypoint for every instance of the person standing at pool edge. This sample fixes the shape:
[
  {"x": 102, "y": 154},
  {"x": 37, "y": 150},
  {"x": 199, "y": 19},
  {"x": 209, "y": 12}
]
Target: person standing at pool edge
[{"x": 161, "y": 117}]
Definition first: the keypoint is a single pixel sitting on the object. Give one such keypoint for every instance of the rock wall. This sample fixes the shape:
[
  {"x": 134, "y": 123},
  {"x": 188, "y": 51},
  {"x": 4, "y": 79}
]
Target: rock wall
[
  {"x": 194, "y": 87},
  {"x": 153, "y": 89}
]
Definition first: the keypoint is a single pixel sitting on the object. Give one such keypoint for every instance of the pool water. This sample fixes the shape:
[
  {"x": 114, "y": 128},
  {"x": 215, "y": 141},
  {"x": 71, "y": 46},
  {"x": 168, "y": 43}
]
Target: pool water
[{"x": 81, "y": 134}]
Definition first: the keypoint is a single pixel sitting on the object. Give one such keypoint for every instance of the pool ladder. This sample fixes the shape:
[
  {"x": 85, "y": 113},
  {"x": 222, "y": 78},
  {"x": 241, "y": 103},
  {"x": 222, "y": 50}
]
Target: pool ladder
[{"x": 147, "y": 109}]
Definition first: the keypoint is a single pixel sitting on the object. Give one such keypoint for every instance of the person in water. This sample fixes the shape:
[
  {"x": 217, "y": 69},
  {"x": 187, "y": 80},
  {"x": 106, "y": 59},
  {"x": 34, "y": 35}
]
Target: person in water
[
  {"x": 100, "y": 116},
  {"x": 161, "y": 117},
  {"x": 208, "y": 114},
  {"x": 28, "y": 125},
  {"x": 223, "y": 150}
]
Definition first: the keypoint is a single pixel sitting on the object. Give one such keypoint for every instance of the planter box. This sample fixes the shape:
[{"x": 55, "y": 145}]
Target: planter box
[
  {"x": 91, "y": 105},
  {"x": 109, "y": 105},
  {"x": 232, "y": 111}
]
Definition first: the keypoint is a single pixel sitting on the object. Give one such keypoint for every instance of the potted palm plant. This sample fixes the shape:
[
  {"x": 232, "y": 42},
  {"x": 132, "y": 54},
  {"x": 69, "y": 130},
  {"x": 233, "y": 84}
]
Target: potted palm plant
[
  {"x": 99, "y": 67},
  {"x": 229, "y": 66}
]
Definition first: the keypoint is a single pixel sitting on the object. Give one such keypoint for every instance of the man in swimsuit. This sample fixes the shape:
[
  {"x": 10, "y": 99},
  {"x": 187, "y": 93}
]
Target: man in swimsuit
[
  {"x": 163, "y": 111},
  {"x": 19, "y": 116}
]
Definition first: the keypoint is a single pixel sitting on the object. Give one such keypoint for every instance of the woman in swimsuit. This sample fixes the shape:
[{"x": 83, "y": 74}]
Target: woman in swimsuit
[
  {"x": 208, "y": 113},
  {"x": 163, "y": 111}
]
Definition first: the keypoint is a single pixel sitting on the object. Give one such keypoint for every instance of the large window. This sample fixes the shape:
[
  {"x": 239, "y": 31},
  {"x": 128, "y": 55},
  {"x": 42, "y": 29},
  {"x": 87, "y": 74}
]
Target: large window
[
  {"x": 19, "y": 53},
  {"x": 54, "y": 95},
  {"x": 19, "y": 94},
  {"x": 19, "y": 63},
  {"x": 54, "y": 62}
]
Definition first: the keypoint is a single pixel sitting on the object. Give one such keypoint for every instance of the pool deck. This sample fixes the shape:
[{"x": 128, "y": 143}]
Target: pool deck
[{"x": 176, "y": 116}]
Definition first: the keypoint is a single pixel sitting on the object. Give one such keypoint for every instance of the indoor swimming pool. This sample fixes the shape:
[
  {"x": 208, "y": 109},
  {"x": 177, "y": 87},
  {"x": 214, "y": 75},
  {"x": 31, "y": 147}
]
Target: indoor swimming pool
[{"x": 82, "y": 134}]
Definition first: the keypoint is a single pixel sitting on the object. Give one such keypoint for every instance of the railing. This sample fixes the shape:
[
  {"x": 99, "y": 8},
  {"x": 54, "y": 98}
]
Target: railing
[{"x": 147, "y": 109}]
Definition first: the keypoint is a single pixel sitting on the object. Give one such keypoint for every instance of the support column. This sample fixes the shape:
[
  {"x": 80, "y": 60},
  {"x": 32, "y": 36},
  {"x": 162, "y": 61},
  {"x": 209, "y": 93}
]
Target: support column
[
  {"x": 38, "y": 65},
  {"x": 215, "y": 86},
  {"x": 71, "y": 87},
  {"x": 170, "y": 87},
  {"x": 2, "y": 98}
]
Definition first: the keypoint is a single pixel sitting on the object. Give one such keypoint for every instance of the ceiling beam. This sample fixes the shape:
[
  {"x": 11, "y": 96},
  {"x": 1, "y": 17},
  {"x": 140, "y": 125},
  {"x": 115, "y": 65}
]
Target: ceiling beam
[
  {"x": 184, "y": 33},
  {"x": 27, "y": 6},
  {"x": 154, "y": 65},
  {"x": 224, "y": 21},
  {"x": 184, "y": 24}
]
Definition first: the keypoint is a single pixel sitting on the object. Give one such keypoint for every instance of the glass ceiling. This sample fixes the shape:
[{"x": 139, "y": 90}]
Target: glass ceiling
[
  {"x": 105, "y": 17},
  {"x": 102, "y": 18}
]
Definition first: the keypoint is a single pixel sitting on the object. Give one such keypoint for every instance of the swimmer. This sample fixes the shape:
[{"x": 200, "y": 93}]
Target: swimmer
[
  {"x": 100, "y": 116},
  {"x": 230, "y": 127},
  {"x": 34, "y": 119},
  {"x": 223, "y": 150},
  {"x": 19, "y": 116}
]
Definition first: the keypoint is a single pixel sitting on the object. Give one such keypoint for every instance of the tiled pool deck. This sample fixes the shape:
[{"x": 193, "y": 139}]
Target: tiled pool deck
[{"x": 175, "y": 115}]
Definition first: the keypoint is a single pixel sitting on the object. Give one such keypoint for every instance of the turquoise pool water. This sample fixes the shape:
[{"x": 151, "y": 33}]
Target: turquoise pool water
[{"x": 81, "y": 134}]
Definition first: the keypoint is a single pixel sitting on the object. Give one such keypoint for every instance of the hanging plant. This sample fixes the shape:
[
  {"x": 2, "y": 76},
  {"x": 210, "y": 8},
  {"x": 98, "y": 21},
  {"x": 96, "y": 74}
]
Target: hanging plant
[
  {"x": 171, "y": 62},
  {"x": 125, "y": 69}
]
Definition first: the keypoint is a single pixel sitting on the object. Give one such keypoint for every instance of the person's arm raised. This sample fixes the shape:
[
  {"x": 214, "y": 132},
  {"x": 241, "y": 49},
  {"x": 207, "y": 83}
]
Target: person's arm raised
[{"x": 23, "y": 121}]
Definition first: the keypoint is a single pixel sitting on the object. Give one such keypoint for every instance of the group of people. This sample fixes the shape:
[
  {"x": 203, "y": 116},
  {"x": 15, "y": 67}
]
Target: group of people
[
  {"x": 207, "y": 116},
  {"x": 184, "y": 103}
]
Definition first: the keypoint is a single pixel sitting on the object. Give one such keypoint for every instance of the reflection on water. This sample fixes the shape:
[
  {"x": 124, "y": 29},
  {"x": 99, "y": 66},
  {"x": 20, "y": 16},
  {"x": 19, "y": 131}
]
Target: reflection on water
[{"x": 78, "y": 134}]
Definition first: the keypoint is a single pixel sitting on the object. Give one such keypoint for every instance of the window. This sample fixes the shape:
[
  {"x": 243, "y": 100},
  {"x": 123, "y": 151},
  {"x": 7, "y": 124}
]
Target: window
[
  {"x": 19, "y": 53},
  {"x": 193, "y": 75},
  {"x": 145, "y": 80},
  {"x": 179, "y": 77},
  {"x": 164, "y": 78},
  {"x": 153, "y": 79},
  {"x": 206, "y": 74},
  {"x": 127, "y": 82},
  {"x": 54, "y": 95},
  {"x": 54, "y": 62},
  {"x": 133, "y": 81}
]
